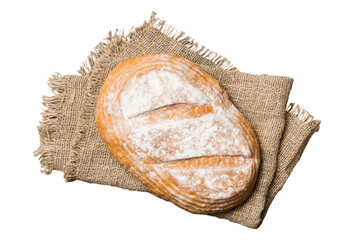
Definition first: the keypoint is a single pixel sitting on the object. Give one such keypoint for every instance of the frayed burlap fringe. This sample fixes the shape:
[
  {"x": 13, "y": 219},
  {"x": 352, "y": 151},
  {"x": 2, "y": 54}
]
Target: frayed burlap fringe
[
  {"x": 190, "y": 43},
  {"x": 300, "y": 113},
  {"x": 60, "y": 118},
  {"x": 49, "y": 125},
  {"x": 114, "y": 41}
]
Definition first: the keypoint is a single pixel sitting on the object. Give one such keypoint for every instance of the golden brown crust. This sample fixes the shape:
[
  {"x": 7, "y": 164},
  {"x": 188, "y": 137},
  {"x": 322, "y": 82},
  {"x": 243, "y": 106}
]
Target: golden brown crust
[{"x": 175, "y": 129}]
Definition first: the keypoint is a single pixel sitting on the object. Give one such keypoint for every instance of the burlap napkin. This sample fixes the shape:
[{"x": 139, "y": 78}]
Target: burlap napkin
[{"x": 71, "y": 143}]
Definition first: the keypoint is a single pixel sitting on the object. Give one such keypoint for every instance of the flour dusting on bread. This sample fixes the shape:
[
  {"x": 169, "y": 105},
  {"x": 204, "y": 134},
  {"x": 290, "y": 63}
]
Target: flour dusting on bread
[
  {"x": 209, "y": 135},
  {"x": 174, "y": 127},
  {"x": 156, "y": 89}
]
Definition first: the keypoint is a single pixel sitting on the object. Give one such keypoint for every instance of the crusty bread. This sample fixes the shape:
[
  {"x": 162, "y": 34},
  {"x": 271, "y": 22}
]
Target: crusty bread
[{"x": 175, "y": 129}]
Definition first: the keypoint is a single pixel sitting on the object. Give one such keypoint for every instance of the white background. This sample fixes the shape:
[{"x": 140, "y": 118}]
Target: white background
[{"x": 315, "y": 42}]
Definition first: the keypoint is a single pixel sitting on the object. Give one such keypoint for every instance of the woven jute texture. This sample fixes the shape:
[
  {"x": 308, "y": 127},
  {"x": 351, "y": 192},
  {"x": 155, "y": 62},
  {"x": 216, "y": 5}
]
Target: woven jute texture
[
  {"x": 70, "y": 141},
  {"x": 299, "y": 127},
  {"x": 60, "y": 119}
]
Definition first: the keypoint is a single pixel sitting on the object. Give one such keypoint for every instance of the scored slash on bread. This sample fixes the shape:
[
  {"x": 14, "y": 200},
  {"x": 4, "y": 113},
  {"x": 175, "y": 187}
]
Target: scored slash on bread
[{"x": 175, "y": 129}]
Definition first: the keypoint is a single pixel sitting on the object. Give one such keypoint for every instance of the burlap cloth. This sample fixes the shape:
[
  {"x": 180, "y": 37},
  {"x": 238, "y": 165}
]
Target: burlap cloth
[{"x": 70, "y": 141}]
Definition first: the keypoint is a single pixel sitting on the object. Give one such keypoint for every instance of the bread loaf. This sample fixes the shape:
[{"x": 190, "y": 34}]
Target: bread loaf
[{"x": 174, "y": 128}]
